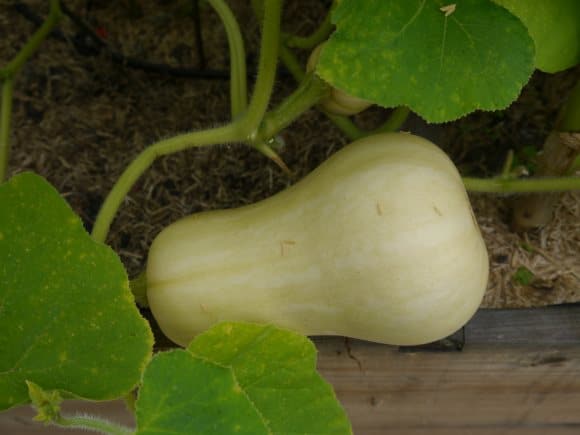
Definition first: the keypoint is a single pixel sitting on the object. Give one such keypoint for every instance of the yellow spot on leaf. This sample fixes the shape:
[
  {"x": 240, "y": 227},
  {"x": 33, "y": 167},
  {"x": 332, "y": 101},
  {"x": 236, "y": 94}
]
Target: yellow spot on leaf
[{"x": 63, "y": 357}]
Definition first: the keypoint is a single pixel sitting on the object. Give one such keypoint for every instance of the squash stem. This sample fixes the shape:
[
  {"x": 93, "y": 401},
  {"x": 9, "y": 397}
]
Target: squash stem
[
  {"x": 530, "y": 185},
  {"x": 234, "y": 132},
  {"x": 138, "y": 287},
  {"x": 308, "y": 93},
  {"x": 7, "y": 75},
  {"x": 320, "y": 35},
  {"x": 266, "y": 66},
  {"x": 238, "y": 76},
  {"x": 54, "y": 15},
  {"x": 394, "y": 122},
  {"x": 342, "y": 122},
  {"x": 93, "y": 424},
  {"x": 559, "y": 153}
]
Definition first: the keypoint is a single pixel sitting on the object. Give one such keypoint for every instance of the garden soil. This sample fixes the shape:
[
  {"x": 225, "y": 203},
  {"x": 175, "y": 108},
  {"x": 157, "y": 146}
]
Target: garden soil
[{"x": 79, "y": 118}]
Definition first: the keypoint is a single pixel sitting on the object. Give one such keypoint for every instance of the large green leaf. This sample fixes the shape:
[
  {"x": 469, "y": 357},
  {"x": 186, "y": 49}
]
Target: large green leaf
[
  {"x": 239, "y": 378},
  {"x": 555, "y": 27},
  {"x": 442, "y": 60},
  {"x": 67, "y": 317}
]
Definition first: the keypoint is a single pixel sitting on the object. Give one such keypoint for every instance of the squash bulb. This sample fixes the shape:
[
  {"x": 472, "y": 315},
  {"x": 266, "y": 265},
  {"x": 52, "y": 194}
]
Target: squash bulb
[{"x": 378, "y": 243}]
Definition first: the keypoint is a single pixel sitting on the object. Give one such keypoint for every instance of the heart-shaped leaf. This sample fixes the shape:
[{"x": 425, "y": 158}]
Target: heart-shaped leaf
[
  {"x": 68, "y": 320},
  {"x": 441, "y": 59},
  {"x": 239, "y": 378}
]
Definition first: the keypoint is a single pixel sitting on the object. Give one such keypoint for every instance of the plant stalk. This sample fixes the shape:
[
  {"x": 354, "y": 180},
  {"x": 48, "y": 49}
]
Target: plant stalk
[
  {"x": 537, "y": 210},
  {"x": 34, "y": 42},
  {"x": 308, "y": 93},
  {"x": 93, "y": 424},
  {"x": 343, "y": 123},
  {"x": 266, "y": 66},
  {"x": 320, "y": 35},
  {"x": 138, "y": 287},
  {"x": 529, "y": 185},
  {"x": 7, "y": 75},
  {"x": 395, "y": 120},
  {"x": 234, "y": 132},
  {"x": 560, "y": 151},
  {"x": 241, "y": 130},
  {"x": 238, "y": 81}
]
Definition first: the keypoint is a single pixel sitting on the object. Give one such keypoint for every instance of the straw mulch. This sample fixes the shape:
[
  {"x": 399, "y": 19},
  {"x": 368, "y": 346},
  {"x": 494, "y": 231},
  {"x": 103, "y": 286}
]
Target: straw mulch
[{"x": 79, "y": 119}]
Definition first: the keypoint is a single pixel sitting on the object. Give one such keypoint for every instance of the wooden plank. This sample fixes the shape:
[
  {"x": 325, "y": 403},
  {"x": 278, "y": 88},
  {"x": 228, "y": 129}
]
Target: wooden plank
[
  {"x": 546, "y": 326},
  {"x": 539, "y": 327},
  {"x": 518, "y": 373},
  {"x": 487, "y": 430},
  {"x": 481, "y": 388}
]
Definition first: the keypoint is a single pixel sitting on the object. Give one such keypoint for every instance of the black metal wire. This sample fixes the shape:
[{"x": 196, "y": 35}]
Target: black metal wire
[
  {"x": 116, "y": 56},
  {"x": 198, "y": 35}
]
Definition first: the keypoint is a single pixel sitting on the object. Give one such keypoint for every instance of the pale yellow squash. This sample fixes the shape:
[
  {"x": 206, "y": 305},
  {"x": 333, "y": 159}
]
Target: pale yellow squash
[{"x": 378, "y": 243}]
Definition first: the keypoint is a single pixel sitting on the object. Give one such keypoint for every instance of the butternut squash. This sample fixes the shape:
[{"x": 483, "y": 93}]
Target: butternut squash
[{"x": 378, "y": 243}]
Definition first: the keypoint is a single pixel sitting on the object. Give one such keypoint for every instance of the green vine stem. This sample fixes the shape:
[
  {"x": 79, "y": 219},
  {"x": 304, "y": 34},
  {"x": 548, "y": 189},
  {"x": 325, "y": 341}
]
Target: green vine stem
[
  {"x": 506, "y": 169},
  {"x": 320, "y": 35},
  {"x": 54, "y": 15},
  {"x": 266, "y": 149},
  {"x": 395, "y": 121},
  {"x": 242, "y": 130},
  {"x": 48, "y": 404},
  {"x": 238, "y": 75},
  {"x": 138, "y": 287},
  {"x": 343, "y": 123},
  {"x": 308, "y": 93},
  {"x": 270, "y": 42},
  {"x": 560, "y": 150},
  {"x": 292, "y": 63},
  {"x": 7, "y": 75},
  {"x": 271, "y": 14},
  {"x": 234, "y": 132},
  {"x": 518, "y": 185},
  {"x": 94, "y": 424}
]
